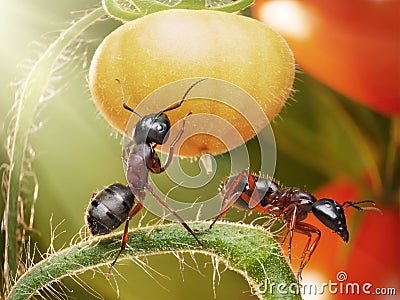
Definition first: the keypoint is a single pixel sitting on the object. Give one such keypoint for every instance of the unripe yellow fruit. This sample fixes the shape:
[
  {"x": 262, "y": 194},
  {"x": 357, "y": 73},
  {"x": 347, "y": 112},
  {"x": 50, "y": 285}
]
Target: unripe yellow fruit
[{"x": 171, "y": 45}]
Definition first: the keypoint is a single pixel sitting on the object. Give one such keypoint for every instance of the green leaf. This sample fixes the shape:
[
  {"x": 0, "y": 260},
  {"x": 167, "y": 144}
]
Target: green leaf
[{"x": 250, "y": 251}]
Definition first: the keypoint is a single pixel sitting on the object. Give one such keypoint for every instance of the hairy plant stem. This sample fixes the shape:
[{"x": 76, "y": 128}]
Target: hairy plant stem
[
  {"x": 33, "y": 91},
  {"x": 139, "y": 8},
  {"x": 248, "y": 250}
]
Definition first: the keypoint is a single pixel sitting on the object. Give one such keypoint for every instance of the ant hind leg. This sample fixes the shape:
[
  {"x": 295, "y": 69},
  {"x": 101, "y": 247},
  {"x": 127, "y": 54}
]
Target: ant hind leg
[
  {"x": 172, "y": 211},
  {"x": 124, "y": 241},
  {"x": 228, "y": 200}
]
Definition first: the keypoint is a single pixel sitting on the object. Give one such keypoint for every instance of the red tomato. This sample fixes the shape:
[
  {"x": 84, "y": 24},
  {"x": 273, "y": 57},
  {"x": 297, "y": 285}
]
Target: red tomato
[{"x": 352, "y": 46}]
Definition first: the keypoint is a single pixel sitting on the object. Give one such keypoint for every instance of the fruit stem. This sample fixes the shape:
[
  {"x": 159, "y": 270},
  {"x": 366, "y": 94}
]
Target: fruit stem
[{"x": 139, "y": 8}]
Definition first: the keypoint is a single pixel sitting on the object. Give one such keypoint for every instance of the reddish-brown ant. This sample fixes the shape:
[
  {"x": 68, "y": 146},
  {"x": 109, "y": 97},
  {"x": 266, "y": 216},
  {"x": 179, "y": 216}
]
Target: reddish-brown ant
[
  {"x": 290, "y": 204},
  {"x": 150, "y": 131}
]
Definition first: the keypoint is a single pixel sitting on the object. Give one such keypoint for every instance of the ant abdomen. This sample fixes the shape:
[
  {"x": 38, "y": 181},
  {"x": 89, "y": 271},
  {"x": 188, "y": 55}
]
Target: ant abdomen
[{"x": 109, "y": 208}]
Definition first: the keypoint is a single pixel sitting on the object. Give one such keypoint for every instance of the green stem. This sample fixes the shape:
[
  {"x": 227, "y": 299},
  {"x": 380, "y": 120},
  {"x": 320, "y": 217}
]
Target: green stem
[
  {"x": 248, "y": 250},
  {"x": 391, "y": 191},
  {"x": 33, "y": 90},
  {"x": 140, "y": 8}
]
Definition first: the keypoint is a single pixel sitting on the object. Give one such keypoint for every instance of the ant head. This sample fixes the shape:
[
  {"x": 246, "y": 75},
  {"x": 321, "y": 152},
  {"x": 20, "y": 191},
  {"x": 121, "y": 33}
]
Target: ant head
[
  {"x": 331, "y": 214},
  {"x": 152, "y": 128}
]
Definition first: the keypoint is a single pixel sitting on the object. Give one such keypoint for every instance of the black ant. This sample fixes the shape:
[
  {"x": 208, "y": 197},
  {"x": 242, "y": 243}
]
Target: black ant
[
  {"x": 150, "y": 131},
  {"x": 292, "y": 205},
  {"x": 109, "y": 208}
]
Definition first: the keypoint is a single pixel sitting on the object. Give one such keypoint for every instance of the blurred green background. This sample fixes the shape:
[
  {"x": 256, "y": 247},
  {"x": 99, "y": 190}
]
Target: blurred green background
[{"x": 318, "y": 139}]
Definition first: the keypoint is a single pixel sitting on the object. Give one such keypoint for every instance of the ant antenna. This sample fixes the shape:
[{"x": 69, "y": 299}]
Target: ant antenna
[
  {"x": 355, "y": 205},
  {"x": 176, "y": 105},
  {"x": 123, "y": 100}
]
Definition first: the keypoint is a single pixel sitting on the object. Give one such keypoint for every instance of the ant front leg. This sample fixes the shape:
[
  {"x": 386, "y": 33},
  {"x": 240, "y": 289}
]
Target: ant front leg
[
  {"x": 124, "y": 241},
  {"x": 291, "y": 209},
  {"x": 155, "y": 165},
  {"x": 307, "y": 229},
  {"x": 172, "y": 146},
  {"x": 126, "y": 151}
]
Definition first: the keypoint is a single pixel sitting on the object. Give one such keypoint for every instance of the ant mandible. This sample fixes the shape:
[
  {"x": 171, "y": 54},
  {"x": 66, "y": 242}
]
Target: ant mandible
[
  {"x": 290, "y": 204},
  {"x": 150, "y": 131}
]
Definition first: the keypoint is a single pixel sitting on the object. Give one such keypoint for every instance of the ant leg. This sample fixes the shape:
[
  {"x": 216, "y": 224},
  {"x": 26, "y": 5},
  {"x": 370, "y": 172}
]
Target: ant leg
[
  {"x": 223, "y": 211},
  {"x": 172, "y": 146},
  {"x": 234, "y": 185},
  {"x": 285, "y": 237},
  {"x": 255, "y": 198},
  {"x": 292, "y": 209},
  {"x": 124, "y": 241},
  {"x": 172, "y": 211},
  {"x": 226, "y": 205},
  {"x": 307, "y": 229},
  {"x": 127, "y": 151}
]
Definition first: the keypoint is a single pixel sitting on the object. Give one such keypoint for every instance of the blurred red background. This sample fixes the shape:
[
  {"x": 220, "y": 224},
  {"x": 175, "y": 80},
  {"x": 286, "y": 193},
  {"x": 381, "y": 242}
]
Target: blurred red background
[{"x": 353, "y": 47}]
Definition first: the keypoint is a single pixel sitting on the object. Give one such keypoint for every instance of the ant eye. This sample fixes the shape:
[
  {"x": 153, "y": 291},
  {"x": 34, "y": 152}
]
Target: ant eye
[
  {"x": 160, "y": 128},
  {"x": 327, "y": 204}
]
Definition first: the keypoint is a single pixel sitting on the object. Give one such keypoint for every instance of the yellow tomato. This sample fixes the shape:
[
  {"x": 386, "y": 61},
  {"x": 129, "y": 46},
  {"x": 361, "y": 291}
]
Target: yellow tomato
[{"x": 171, "y": 45}]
